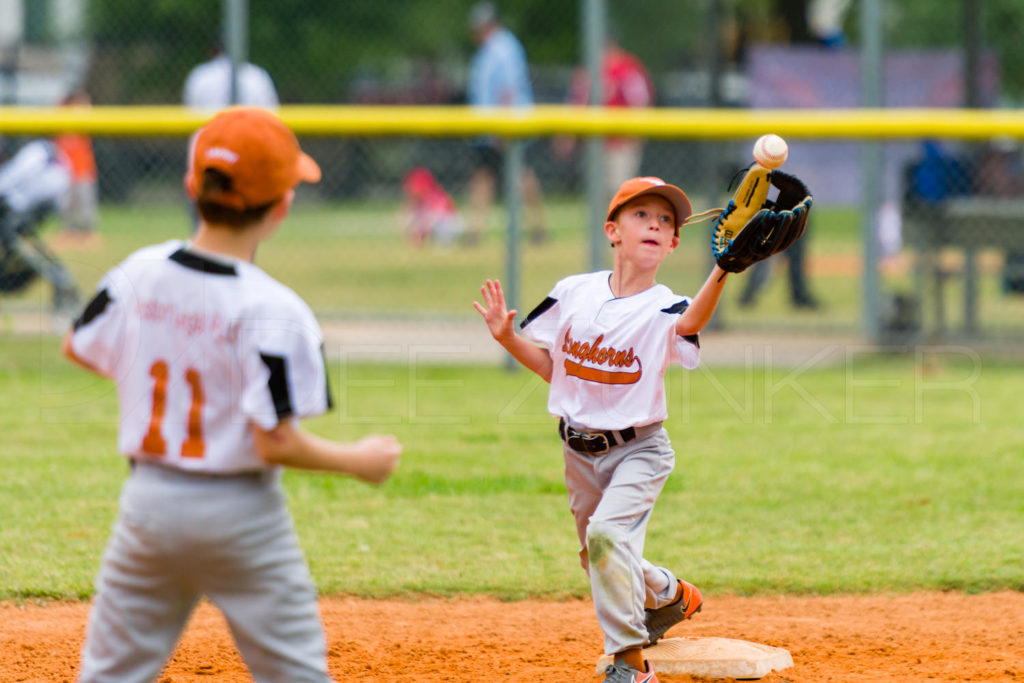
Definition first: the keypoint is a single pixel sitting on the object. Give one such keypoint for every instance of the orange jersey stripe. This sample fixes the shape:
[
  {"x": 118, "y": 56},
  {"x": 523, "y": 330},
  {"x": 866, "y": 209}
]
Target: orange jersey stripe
[{"x": 574, "y": 369}]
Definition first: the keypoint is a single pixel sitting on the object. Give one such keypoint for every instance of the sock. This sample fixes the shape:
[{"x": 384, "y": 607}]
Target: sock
[{"x": 660, "y": 587}]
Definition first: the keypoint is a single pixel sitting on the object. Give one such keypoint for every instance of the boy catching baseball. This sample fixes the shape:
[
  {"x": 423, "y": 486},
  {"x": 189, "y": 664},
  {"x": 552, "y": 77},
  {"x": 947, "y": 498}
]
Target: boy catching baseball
[
  {"x": 605, "y": 340},
  {"x": 214, "y": 363}
]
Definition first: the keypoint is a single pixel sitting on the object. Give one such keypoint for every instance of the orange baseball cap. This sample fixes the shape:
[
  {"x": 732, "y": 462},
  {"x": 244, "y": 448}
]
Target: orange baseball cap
[
  {"x": 636, "y": 187},
  {"x": 254, "y": 148}
]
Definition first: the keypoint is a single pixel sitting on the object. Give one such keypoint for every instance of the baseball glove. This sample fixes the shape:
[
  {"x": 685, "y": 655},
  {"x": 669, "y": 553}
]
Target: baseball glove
[{"x": 753, "y": 227}]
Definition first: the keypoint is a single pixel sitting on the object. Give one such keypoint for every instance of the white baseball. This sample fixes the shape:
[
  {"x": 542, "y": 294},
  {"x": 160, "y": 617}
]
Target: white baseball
[{"x": 771, "y": 151}]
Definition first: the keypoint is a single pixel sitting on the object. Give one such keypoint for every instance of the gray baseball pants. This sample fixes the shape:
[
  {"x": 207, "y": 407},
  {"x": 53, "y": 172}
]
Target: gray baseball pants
[
  {"x": 611, "y": 497},
  {"x": 181, "y": 536}
]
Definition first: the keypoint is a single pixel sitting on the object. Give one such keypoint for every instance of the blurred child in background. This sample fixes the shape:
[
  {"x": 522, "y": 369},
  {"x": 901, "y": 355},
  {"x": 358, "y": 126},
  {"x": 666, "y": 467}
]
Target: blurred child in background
[
  {"x": 428, "y": 212},
  {"x": 80, "y": 210}
]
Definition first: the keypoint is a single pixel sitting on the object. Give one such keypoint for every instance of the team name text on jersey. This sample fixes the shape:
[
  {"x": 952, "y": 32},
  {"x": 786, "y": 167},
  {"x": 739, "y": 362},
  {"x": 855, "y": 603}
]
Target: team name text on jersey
[
  {"x": 593, "y": 352},
  {"x": 189, "y": 322}
]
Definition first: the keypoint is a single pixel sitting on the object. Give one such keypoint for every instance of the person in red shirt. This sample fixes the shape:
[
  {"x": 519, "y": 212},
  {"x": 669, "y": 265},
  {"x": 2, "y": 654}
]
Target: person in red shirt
[
  {"x": 428, "y": 212},
  {"x": 79, "y": 211},
  {"x": 625, "y": 83}
]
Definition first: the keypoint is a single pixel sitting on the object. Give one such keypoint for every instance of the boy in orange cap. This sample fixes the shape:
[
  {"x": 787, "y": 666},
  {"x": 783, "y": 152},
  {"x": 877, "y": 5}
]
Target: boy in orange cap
[
  {"x": 605, "y": 340},
  {"x": 215, "y": 362}
]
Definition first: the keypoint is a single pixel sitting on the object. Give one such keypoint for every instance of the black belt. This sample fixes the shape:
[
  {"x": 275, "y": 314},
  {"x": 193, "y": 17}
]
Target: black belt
[
  {"x": 596, "y": 442},
  {"x": 255, "y": 475}
]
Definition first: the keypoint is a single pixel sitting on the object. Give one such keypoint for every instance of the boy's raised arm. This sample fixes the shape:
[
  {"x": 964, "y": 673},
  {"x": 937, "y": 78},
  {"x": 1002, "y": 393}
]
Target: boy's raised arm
[
  {"x": 696, "y": 317},
  {"x": 500, "y": 322}
]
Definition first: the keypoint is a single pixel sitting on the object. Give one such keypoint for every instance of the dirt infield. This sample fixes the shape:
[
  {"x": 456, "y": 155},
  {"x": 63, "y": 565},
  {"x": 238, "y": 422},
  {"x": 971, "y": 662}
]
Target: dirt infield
[{"x": 923, "y": 636}]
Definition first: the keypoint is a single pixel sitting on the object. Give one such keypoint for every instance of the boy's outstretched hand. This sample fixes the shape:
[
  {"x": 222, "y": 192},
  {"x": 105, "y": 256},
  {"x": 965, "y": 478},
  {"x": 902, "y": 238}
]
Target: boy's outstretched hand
[
  {"x": 498, "y": 319},
  {"x": 500, "y": 322}
]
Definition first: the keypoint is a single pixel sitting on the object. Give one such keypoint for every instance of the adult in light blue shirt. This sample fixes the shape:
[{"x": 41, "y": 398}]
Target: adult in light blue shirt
[{"x": 498, "y": 77}]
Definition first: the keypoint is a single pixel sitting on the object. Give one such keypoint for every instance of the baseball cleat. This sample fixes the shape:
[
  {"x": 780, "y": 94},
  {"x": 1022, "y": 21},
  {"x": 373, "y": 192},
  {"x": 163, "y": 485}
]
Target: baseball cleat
[
  {"x": 660, "y": 620},
  {"x": 624, "y": 673}
]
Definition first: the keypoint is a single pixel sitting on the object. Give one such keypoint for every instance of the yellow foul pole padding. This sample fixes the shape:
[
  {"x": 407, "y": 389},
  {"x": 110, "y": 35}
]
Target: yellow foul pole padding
[{"x": 437, "y": 121}]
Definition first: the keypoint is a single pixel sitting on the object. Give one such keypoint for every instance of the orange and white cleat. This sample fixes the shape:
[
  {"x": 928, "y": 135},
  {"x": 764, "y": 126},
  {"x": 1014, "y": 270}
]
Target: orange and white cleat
[{"x": 660, "y": 620}]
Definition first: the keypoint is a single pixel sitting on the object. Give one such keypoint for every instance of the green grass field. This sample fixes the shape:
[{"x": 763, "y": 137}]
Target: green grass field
[
  {"x": 351, "y": 259},
  {"x": 880, "y": 474}
]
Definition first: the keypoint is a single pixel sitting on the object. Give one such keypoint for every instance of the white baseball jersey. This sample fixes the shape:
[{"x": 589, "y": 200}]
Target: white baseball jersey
[
  {"x": 610, "y": 354},
  {"x": 200, "y": 345}
]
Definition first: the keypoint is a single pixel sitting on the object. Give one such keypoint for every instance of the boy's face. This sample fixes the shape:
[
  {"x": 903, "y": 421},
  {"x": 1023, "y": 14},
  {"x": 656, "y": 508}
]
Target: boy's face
[{"x": 644, "y": 229}]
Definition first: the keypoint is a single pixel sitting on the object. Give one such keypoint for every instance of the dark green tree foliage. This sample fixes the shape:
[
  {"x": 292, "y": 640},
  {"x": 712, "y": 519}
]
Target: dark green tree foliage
[
  {"x": 336, "y": 51},
  {"x": 319, "y": 51}
]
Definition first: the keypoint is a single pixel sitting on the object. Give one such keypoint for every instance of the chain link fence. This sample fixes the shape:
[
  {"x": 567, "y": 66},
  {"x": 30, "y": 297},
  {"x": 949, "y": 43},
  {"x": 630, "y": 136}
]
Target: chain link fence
[{"x": 950, "y": 228}]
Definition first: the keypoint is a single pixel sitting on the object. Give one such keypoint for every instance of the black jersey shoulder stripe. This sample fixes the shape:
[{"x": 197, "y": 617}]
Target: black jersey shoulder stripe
[
  {"x": 327, "y": 379},
  {"x": 278, "y": 385},
  {"x": 677, "y": 307},
  {"x": 539, "y": 311},
  {"x": 199, "y": 262},
  {"x": 94, "y": 308}
]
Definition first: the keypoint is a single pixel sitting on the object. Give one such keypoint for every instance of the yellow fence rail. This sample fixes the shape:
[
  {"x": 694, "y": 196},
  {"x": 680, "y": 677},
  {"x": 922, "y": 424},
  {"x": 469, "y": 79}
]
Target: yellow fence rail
[{"x": 537, "y": 121}]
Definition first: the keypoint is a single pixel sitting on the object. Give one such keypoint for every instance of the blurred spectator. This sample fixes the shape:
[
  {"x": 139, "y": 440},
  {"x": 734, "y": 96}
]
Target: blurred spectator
[
  {"x": 825, "y": 21},
  {"x": 799, "y": 292},
  {"x": 816, "y": 22},
  {"x": 208, "y": 85},
  {"x": 1000, "y": 175},
  {"x": 1000, "y": 169},
  {"x": 807, "y": 22},
  {"x": 498, "y": 77},
  {"x": 625, "y": 83},
  {"x": 938, "y": 174},
  {"x": 33, "y": 183},
  {"x": 80, "y": 208},
  {"x": 428, "y": 212}
]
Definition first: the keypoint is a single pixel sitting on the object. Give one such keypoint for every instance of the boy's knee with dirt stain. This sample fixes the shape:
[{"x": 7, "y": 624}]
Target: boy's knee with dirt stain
[{"x": 602, "y": 537}]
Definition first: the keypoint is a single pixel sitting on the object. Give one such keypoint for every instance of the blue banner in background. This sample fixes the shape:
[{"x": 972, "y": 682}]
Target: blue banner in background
[{"x": 814, "y": 78}]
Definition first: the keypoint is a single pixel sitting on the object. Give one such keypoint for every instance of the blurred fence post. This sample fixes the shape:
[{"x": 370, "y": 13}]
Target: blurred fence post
[
  {"x": 972, "y": 52},
  {"x": 871, "y": 169},
  {"x": 710, "y": 182},
  {"x": 8, "y": 85},
  {"x": 236, "y": 38},
  {"x": 513, "y": 204},
  {"x": 972, "y": 89},
  {"x": 594, "y": 17}
]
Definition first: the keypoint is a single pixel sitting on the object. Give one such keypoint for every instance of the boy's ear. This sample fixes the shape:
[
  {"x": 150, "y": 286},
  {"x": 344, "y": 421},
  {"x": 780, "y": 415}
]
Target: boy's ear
[
  {"x": 280, "y": 210},
  {"x": 675, "y": 241},
  {"x": 611, "y": 231},
  {"x": 187, "y": 181}
]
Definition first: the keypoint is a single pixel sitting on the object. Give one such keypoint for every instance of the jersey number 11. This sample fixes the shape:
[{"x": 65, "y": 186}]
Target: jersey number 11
[{"x": 154, "y": 442}]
